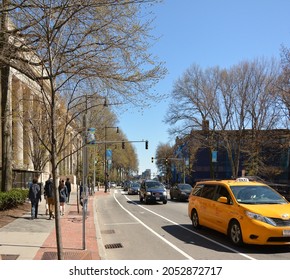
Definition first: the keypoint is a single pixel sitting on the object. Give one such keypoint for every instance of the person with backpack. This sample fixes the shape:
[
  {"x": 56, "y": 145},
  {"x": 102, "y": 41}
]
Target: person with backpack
[
  {"x": 49, "y": 193},
  {"x": 34, "y": 196}
]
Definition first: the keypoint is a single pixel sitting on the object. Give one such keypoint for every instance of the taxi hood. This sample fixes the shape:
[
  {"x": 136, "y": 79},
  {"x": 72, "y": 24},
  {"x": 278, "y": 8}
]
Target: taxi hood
[{"x": 281, "y": 211}]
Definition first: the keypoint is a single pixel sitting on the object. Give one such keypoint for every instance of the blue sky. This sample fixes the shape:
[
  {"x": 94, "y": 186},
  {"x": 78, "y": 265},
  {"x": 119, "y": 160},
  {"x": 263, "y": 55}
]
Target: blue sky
[{"x": 207, "y": 33}]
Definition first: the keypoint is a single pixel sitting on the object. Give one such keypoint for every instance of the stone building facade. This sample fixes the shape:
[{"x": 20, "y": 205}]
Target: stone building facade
[{"x": 23, "y": 95}]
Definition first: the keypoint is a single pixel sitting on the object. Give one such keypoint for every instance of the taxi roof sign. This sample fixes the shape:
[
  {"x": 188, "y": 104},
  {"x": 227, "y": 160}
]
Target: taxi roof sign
[{"x": 242, "y": 179}]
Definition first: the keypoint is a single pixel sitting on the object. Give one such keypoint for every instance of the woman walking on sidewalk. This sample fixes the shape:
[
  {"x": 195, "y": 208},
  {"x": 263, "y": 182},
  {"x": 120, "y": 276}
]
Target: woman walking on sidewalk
[
  {"x": 34, "y": 196},
  {"x": 62, "y": 196}
]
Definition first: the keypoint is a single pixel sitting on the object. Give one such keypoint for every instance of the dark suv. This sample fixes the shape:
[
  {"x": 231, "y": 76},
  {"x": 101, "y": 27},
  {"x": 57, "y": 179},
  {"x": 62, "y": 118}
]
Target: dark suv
[{"x": 152, "y": 191}]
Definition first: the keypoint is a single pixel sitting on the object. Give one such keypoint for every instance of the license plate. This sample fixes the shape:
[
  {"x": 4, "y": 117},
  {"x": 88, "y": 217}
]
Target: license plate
[
  {"x": 157, "y": 196},
  {"x": 286, "y": 232}
]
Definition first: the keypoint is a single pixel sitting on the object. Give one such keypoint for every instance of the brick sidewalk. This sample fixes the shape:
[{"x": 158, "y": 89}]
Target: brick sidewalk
[{"x": 72, "y": 235}]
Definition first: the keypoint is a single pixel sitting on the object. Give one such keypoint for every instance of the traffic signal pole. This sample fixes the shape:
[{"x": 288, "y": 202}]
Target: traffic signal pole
[{"x": 177, "y": 159}]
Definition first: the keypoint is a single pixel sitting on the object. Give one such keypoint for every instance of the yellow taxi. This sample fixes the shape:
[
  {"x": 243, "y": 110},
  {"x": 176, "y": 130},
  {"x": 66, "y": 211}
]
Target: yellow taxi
[{"x": 248, "y": 212}]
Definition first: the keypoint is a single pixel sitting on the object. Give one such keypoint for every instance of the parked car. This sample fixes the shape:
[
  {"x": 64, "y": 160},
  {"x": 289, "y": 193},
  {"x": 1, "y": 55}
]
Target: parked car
[
  {"x": 112, "y": 185},
  {"x": 248, "y": 212},
  {"x": 134, "y": 188},
  {"x": 180, "y": 191},
  {"x": 152, "y": 191},
  {"x": 126, "y": 185},
  {"x": 283, "y": 189}
]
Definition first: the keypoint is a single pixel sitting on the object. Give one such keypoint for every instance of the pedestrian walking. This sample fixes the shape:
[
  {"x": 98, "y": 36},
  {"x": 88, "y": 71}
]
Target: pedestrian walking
[
  {"x": 81, "y": 188},
  {"x": 48, "y": 189},
  {"x": 46, "y": 202},
  {"x": 62, "y": 196},
  {"x": 68, "y": 188},
  {"x": 34, "y": 197}
]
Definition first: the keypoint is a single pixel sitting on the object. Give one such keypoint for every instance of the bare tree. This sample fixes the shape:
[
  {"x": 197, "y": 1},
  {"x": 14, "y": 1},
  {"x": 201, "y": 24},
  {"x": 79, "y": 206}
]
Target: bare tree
[
  {"x": 79, "y": 52},
  {"x": 223, "y": 104},
  {"x": 284, "y": 85}
]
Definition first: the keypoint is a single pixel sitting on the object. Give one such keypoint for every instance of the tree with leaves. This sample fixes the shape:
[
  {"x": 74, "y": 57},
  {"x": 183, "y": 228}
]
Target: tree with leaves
[{"x": 164, "y": 153}]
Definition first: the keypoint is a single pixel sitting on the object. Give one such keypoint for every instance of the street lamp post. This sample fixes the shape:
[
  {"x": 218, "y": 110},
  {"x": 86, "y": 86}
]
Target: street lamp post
[
  {"x": 84, "y": 177},
  {"x": 106, "y": 163},
  {"x": 85, "y": 170},
  {"x": 94, "y": 174}
]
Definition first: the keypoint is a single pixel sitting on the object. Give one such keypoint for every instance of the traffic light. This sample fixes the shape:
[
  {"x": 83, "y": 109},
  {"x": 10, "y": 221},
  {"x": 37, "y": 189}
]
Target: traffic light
[
  {"x": 123, "y": 144},
  {"x": 152, "y": 159},
  {"x": 166, "y": 161},
  {"x": 146, "y": 145}
]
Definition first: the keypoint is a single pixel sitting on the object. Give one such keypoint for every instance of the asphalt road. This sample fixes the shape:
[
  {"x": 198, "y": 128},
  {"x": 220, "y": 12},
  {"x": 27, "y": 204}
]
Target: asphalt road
[{"x": 131, "y": 230}]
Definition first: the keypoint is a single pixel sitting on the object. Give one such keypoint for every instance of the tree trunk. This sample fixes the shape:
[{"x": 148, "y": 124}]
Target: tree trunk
[
  {"x": 6, "y": 114},
  {"x": 57, "y": 214},
  {"x": 55, "y": 177},
  {"x": 6, "y": 130}
]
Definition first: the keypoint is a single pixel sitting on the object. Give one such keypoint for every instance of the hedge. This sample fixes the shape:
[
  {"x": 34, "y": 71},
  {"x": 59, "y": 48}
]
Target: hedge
[{"x": 13, "y": 198}]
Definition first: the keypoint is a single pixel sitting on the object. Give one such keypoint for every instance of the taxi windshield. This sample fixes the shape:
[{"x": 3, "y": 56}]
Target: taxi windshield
[{"x": 252, "y": 194}]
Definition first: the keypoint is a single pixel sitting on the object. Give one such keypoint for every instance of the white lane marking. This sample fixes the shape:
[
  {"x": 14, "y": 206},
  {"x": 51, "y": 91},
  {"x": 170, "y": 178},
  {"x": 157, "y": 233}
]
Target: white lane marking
[
  {"x": 183, "y": 227},
  {"x": 117, "y": 224},
  {"x": 154, "y": 232}
]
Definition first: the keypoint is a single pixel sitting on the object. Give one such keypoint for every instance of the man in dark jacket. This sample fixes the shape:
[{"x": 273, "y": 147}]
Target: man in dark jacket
[
  {"x": 68, "y": 189},
  {"x": 49, "y": 193},
  {"x": 34, "y": 197}
]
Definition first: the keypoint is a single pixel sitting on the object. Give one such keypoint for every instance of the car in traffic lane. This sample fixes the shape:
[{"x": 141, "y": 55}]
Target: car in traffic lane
[
  {"x": 152, "y": 191},
  {"x": 248, "y": 212},
  {"x": 134, "y": 188},
  {"x": 180, "y": 191}
]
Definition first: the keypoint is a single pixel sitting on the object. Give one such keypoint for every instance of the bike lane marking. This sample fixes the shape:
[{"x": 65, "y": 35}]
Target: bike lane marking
[{"x": 154, "y": 232}]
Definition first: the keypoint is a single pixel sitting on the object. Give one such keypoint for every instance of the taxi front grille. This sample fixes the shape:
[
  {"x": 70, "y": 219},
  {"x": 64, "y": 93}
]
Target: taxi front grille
[
  {"x": 279, "y": 239},
  {"x": 281, "y": 223}
]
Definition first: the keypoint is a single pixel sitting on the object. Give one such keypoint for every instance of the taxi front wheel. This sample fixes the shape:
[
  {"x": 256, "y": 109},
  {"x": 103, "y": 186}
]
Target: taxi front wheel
[
  {"x": 235, "y": 233},
  {"x": 194, "y": 219}
]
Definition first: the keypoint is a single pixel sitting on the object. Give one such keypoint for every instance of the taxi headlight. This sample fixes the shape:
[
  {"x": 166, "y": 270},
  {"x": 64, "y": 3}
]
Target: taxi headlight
[
  {"x": 261, "y": 218},
  {"x": 164, "y": 193}
]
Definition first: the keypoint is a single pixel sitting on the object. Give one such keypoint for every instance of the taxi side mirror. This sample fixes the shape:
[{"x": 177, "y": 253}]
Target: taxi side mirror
[{"x": 223, "y": 199}]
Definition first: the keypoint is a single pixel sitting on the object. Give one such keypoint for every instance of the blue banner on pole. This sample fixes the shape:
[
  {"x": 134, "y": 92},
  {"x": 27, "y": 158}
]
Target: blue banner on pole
[
  {"x": 109, "y": 154},
  {"x": 214, "y": 156}
]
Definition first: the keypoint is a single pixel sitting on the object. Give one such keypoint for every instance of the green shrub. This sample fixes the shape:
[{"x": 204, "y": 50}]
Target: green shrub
[{"x": 12, "y": 199}]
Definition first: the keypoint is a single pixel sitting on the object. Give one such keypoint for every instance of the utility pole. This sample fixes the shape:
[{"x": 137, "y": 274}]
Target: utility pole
[{"x": 85, "y": 177}]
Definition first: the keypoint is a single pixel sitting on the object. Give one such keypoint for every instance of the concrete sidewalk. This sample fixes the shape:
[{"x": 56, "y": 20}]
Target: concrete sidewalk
[{"x": 25, "y": 239}]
